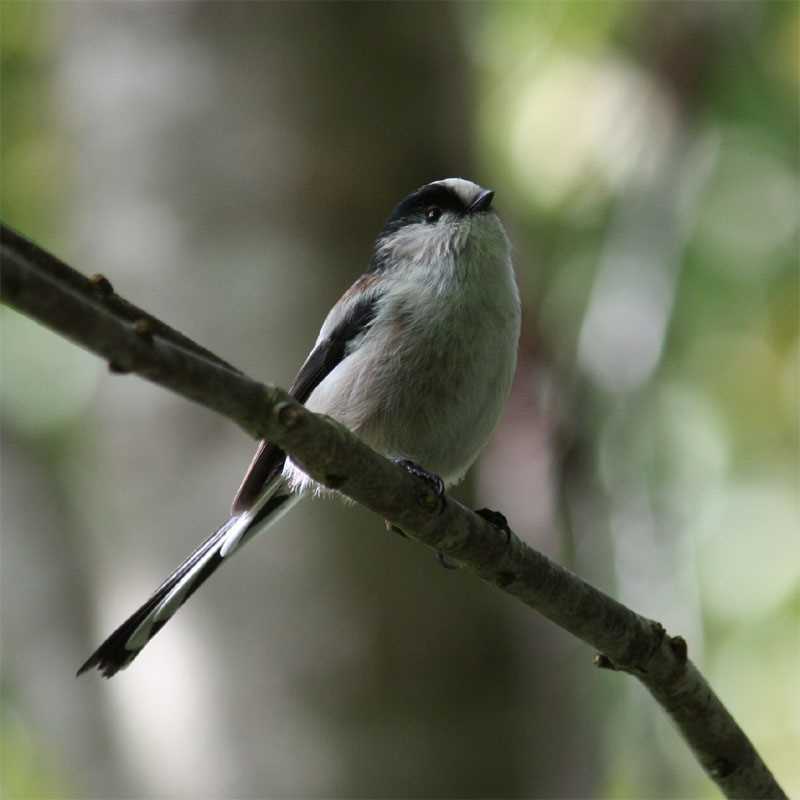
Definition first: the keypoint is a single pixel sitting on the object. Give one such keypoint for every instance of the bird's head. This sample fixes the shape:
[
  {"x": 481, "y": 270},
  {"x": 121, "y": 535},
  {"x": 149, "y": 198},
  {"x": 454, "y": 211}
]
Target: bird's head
[{"x": 448, "y": 223}]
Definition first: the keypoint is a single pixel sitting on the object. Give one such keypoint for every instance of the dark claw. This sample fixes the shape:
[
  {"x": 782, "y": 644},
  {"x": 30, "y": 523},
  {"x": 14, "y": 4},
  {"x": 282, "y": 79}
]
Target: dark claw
[
  {"x": 437, "y": 484},
  {"x": 431, "y": 478},
  {"x": 435, "y": 503},
  {"x": 497, "y": 520},
  {"x": 441, "y": 557}
]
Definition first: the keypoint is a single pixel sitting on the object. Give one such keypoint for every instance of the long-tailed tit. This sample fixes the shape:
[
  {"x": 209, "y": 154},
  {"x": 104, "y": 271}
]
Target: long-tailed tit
[{"x": 416, "y": 358}]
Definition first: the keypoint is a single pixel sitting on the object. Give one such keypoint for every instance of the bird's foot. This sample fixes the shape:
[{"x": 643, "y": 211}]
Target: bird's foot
[
  {"x": 435, "y": 483},
  {"x": 496, "y": 520},
  {"x": 431, "y": 478}
]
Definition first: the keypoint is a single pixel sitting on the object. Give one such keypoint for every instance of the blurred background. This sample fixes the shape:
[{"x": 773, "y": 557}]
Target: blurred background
[{"x": 227, "y": 167}]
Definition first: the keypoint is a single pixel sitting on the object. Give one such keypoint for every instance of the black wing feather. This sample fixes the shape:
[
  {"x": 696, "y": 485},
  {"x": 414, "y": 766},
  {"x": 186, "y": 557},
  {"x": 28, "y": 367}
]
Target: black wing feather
[
  {"x": 113, "y": 654},
  {"x": 324, "y": 358}
]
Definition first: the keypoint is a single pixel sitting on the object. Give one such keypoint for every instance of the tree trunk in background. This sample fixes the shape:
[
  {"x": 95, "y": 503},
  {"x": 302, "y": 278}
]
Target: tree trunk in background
[{"x": 233, "y": 166}]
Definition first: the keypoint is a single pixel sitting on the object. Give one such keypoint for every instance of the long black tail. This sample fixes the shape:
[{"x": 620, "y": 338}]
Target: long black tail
[{"x": 127, "y": 641}]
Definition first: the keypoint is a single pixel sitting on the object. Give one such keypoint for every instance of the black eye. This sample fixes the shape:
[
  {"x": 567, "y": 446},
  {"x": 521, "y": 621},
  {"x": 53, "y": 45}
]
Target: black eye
[{"x": 432, "y": 214}]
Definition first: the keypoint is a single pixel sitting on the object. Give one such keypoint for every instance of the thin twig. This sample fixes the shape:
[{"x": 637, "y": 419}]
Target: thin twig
[
  {"x": 96, "y": 289},
  {"x": 37, "y": 284}
]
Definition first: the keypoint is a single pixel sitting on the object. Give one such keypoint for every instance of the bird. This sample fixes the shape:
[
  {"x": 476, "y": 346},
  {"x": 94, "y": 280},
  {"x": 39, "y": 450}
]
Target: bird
[{"x": 416, "y": 358}]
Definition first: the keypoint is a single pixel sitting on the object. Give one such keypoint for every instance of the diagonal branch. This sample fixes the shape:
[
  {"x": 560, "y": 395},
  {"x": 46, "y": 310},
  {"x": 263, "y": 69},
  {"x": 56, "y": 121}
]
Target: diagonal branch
[{"x": 89, "y": 313}]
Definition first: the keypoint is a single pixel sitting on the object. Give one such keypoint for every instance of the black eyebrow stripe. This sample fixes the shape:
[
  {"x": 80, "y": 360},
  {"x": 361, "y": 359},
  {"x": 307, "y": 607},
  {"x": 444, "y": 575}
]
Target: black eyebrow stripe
[
  {"x": 432, "y": 194},
  {"x": 412, "y": 208}
]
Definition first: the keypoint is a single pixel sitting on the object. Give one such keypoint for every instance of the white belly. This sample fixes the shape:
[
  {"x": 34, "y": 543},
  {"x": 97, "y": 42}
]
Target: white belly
[{"x": 429, "y": 387}]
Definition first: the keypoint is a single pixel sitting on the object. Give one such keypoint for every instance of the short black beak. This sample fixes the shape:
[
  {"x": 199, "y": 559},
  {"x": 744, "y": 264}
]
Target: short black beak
[{"x": 482, "y": 202}]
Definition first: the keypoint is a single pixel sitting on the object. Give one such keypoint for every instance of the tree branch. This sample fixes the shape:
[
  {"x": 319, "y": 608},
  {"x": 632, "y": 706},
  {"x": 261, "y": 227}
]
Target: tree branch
[{"x": 88, "y": 312}]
